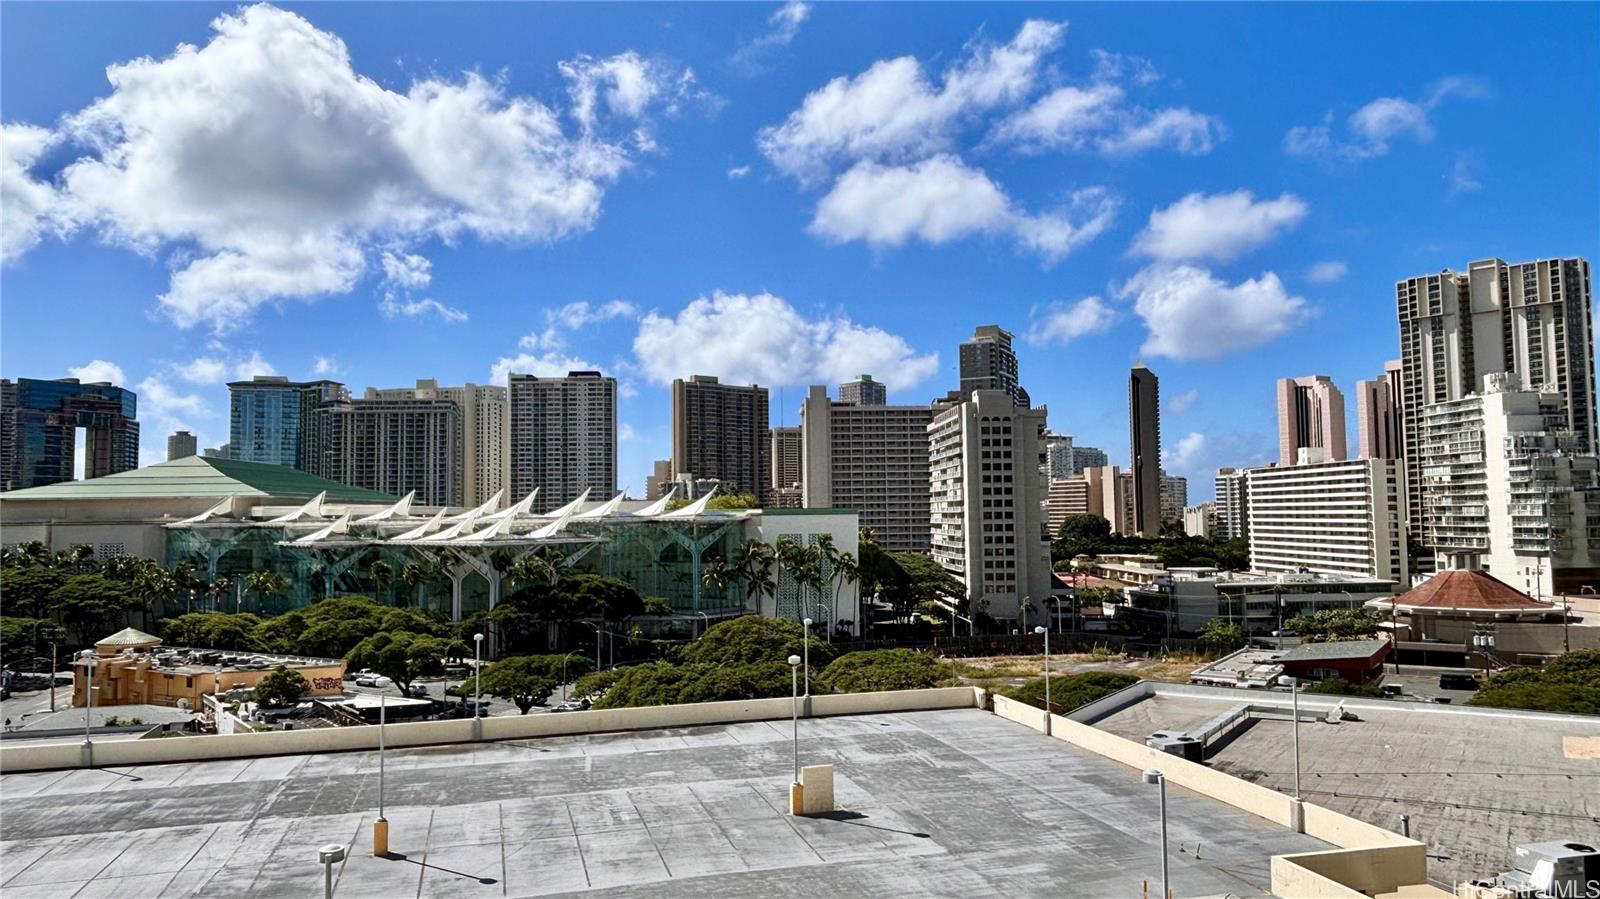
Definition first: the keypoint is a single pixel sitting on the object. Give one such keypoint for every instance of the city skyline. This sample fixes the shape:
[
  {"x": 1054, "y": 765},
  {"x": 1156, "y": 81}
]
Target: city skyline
[{"x": 1297, "y": 199}]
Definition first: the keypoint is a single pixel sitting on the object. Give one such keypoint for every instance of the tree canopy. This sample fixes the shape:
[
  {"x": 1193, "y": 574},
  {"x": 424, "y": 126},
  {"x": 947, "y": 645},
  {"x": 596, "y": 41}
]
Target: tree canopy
[
  {"x": 882, "y": 669},
  {"x": 528, "y": 681},
  {"x": 663, "y": 683},
  {"x": 752, "y": 639},
  {"x": 401, "y": 656},
  {"x": 1070, "y": 691},
  {"x": 1569, "y": 683},
  {"x": 281, "y": 686},
  {"x": 1334, "y": 625}
]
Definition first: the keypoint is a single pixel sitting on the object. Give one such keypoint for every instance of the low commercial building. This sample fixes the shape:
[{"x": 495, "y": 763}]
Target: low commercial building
[
  {"x": 131, "y": 667},
  {"x": 1437, "y": 620},
  {"x": 1186, "y": 600}
]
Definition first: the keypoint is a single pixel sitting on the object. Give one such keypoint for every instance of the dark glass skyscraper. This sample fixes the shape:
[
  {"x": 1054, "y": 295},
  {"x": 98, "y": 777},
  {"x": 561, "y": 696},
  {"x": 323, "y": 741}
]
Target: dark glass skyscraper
[
  {"x": 39, "y": 422},
  {"x": 1144, "y": 442},
  {"x": 273, "y": 420}
]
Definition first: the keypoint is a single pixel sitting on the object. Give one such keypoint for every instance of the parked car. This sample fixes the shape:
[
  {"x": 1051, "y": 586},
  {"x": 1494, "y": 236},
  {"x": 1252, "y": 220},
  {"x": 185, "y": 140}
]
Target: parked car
[
  {"x": 419, "y": 691},
  {"x": 572, "y": 705},
  {"x": 1457, "y": 682}
]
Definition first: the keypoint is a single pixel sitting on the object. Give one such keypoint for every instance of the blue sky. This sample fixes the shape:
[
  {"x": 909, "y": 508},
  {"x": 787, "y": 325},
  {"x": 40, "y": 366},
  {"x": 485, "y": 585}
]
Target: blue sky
[{"x": 789, "y": 194}]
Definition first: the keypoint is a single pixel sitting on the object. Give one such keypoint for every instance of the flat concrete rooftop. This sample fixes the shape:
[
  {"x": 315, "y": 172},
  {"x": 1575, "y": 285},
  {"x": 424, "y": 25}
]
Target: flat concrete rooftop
[
  {"x": 942, "y": 803},
  {"x": 1476, "y": 783}
]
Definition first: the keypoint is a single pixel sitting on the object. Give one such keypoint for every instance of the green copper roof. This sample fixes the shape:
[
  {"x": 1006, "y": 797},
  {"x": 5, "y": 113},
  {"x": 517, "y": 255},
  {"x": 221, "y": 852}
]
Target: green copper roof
[{"x": 203, "y": 476}]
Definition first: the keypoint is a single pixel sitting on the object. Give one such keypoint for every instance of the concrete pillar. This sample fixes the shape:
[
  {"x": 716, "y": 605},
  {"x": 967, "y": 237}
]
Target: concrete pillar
[{"x": 1297, "y": 816}]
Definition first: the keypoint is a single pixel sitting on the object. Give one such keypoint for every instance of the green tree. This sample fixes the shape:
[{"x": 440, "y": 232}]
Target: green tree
[
  {"x": 1070, "y": 691},
  {"x": 265, "y": 583},
  {"x": 281, "y": 686},
  {"x": 753, "y": 639},
  {"x": 401, "y": 656},
  {"x": 882, "y": 669},
  {"x": 529, "y": 680},
  {"x": 1333, "y": 625},
  {"x": 214, "y": 630},
  {"x": 596, "y": 683},
  {"x": 1222, "y": 634},
  {"x": 1569, "y": 683},
  {"x": 734, "y": 502},
  {"x": 25, "y": 639},
  {"x": 27, "y": 590},
  {"x": 662, "y": 683},
  {"x": 1338, "y": 686}
]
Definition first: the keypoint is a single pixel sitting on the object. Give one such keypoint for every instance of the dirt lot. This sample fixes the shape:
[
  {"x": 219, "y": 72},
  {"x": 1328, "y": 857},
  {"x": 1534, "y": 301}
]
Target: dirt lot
[{"x": 991, "y": 670}]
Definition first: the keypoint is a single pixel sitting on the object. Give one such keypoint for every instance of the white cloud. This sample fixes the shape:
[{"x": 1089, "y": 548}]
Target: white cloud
[
  {"x": 99, "y": 370},
  {"x": 1110, "y": 66},
  {"x": 1190, "y": 314},
  {"x": 168, "y": 409},
  {"x": 1327, "y": 272},
  {"x": 762, "y": 339},
  {"x": 543, "y": 365},
  {"x": 578, "y": 314},
  {"x": 782, "y": 27},
  {"x": 738, "y": 172},
  {"x": 1186, "y": 454},
  {"x": 893, "y": 112},
  {"x": 1370, "y": 130},
  {"x": 392, "y": 307},
  {"x": 32, "y": 208},
  {"x": 267, "y": 168},
  {"x": 1094, "y": 117},
  {"x": 1178, "y": 403},
  {"x": 217, "y": 369},
  {"x": 407, "y": 270},
  {"x": 1218, "y": 226},
  {"x": 1063, "y": 322},
  {"x": 1464, "y": 175},
  {"x": 252, "y": 365},
  {"x": 628, "y": 86},
  {"x": 940, "y": 200},
  {"x": 626, "y": 433},
  {"x": 325, "y": 366}
]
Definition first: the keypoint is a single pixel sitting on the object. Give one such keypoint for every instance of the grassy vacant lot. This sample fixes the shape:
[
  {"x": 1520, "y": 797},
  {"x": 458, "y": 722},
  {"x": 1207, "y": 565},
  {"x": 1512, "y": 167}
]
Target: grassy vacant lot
[{"x": 992, "y": 671}]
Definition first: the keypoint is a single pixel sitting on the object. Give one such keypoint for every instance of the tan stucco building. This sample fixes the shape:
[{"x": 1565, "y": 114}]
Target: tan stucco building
[{"x": 131, "y": 668}]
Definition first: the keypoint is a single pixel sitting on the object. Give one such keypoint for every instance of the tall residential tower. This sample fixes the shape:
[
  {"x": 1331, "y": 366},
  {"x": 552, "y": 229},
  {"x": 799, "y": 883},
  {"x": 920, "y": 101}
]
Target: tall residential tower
[
  {"x": 1144, "y": 443},
  {"x": 1310, "y": 414},
  {"x": 720, "y": 431},
  {"x": 563, "y": 436}
]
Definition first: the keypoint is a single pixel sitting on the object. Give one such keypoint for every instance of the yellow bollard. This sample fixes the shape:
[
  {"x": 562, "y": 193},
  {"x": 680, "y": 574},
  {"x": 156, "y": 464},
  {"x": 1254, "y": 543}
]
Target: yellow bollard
[
  {"x": 797, "y": 799},
  {"x": 380, "y": 837}
]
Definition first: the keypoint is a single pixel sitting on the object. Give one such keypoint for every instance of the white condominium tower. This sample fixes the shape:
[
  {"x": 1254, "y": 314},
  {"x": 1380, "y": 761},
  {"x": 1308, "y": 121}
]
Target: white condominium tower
[
  {"x": 986, "y": 458},
  {"x": 563, "y": 437},
  {"x": 1341, "y": 517},
  {"x": 873, "y": 459},
  {"x": 1531, "y": 318},
  {"x": 485, "y": 433}
]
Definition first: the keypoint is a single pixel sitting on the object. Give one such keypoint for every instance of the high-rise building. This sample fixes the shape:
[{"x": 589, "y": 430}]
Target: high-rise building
[
  {"x": 394, "y": 446},
  {"x": 986, "y": 458},
  {"x": 1339, "y": 517},
  {"x": 1233, "y": 509},
  {"x": 1058, "y": 449},
  {"x": 659, "y": 480},
  {"x": 563, "y": 436},
  {"x": 1200, "y": 521},
  {"x": 720, "y": 431},
  {"x": 180, "y": 445},
  {"x": 864, "y": 391},
  {"x": 1503, "y": 480},
  {"x": 1310, "y": 414},
  {"x": 1144, "y": 442},
  {"x": 1380, "y": 424},
  {"x": 485, "y": 433},
  {"x": 1083, "y": 458},
  {"x": 1174, "y": 499},
  {"x": 224, "y": 451},
  {"x": 39, "y": 422},
  {"x": 989, "y": 363},
  {"x": 873, "y": 459},
  {"x": 1095, "y": 491},
  {"x": 787, "y": 470},
  {"x": 1531, "y": 318},
  {"x": 273, "y": 420}
]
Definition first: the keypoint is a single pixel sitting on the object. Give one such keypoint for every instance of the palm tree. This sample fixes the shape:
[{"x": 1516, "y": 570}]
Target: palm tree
[
  {"x": 753, "y": 565},
  {"x": 543, "y": 567},
  {"x": 382, "y": 574},
  {"x": 804, "y": 564},
  {"x": 218, "y": 587},
  {"x": 416, "y": 575},
  {"x": 265, "y": 582}
]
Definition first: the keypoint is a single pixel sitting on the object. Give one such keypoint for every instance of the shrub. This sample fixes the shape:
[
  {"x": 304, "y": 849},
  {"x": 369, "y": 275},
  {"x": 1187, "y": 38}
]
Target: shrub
[
  {"x": 1338, "y": 686},
  {"x": 1070, "y": 691},
  {"x": 753, "y": 639},
  {"x": 596, "y": 683},
  {"x": 281, "y": 686},
  {"x": 1570, "y": 683},
  {"x": 663, "y": 683},
  {"x": 882, "y": 669}
]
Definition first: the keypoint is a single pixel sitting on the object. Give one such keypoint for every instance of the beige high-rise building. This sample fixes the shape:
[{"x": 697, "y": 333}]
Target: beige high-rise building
[
  {"x": 720, "y": 431},
  {"x": 563, "y": 437},
  {"x": 659, "y": 480},
  {"x": 986, "y": 458},
  {"x": 1531, "y": 318},
  {"x": 394, "y": 446},
  {"x": 1099, "y": 491},
  {"x": 1310, "y": 414},
  {"x": 988, "y": 362},
  {"x": 1144, "y": 445},
  {"x": 1380, "y": 424},
  {"x": 1200, "y": 521},
  {"x": 1174, "y": 499},
  {"x": 864, "y": 391},
  {"x": 485, "y": 433},
  {"x": 1502, "y": 480},
  {"x": 181, "y": 445},
  {"x": 787, "y": 470},
  {"x": 1329, "y": 517},
  {"x": 1233, "y": 513},
  {"x": 873, "y": 459}
]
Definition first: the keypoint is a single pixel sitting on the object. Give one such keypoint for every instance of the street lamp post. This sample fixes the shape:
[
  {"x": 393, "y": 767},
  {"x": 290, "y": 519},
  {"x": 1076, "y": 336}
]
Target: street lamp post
[
  {"x": 1293, "y": 683},
  {"x": 52, "y": 675},
  {"x": 477, "y": 686},
  {"x": 329, "y": 855},
  {"x": 88, "y": 705},
  {"x": 1047, "y": 705},
  {"x": 705, "y": 623},
  {"x": 794, "y": 677},
  {"x": 805, "y": 647},
  {"x": 564, "y": 672},
  {"x": 1153, "y": 776}
]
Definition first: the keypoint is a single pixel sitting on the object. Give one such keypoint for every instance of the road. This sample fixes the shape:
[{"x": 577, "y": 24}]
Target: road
[{"x": 24, "y": 704}]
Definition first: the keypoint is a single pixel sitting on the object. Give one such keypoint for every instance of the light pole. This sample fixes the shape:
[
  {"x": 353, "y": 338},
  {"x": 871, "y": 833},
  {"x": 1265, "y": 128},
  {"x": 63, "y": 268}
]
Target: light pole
[
  {"x": 794, "y": 677},
  {"x": 564, "y": 672},
  {"x": 1484, "y": 641},
  {"x": 1152, "y": 776},
  {"x": 88, "y": 704},
  {"x": 1046, "y": 632},
  {"x": 705, "y": 623},
  {"x": 329, "y": 855},
  {"x": 477, "y": 686},
  {"x": 805, "y": 647},
  {"x": 1394, "y": 628},
  {"x": 1293, "y": 683},
  {"x": 380, "y": 826},
  {"x": 52, "y": 675}
]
